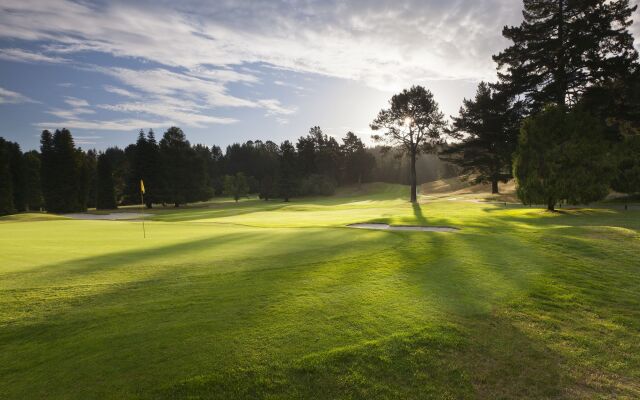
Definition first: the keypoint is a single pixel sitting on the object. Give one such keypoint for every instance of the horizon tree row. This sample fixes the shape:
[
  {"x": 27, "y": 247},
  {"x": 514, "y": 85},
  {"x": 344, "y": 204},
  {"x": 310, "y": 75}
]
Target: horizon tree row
[{"x": 63, "y": 178}]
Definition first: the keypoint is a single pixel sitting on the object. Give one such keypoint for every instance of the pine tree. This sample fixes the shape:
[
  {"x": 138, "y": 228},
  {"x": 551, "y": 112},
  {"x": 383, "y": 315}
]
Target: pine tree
[
  {"x": 562, "y": 156},
  {"x": 358, "y": 163},
  {"x": 60, "y": 172},
  {"x": 47, "y": 168},
  {"x": 287, "y": 171},
  {"x": 564, "y": 46},
  {"x": 487, "y": 131},
  {"x": 175, "y": 151},
  {"x": 413, "y": 124},
  {"x": 105, "y": 186}
]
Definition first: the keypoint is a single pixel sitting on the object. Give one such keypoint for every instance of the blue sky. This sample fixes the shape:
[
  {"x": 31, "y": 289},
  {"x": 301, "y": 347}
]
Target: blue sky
[{"x": 232, "y": 70}]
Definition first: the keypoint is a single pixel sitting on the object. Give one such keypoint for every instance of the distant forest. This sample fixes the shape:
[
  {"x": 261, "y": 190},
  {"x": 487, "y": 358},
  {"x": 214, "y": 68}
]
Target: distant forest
[{"x": 64, "y": 178}]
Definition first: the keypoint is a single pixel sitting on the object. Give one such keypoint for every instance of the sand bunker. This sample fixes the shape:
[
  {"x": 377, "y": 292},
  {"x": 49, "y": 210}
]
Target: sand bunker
[
  {"x": 404, "y": 227},
  {"x": 107, "y": 217}
]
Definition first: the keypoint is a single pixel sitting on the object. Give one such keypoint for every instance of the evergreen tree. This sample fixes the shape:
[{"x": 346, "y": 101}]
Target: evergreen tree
[
  {"x": 105, "y": 185},
  {"x": 6, "y": 181},
  {"x": 358, "y": 163},
  {"x": 61, "y": 170},
  {"x": 175, "y": 152},
  {"x": 32, "y": 167},
  {"x": 47, "y": 168},
  {"x": 151, "y": 169},
  {"x": 236, "y": 186},
  {"x": 562, "y": 157},
  {"x": 287, "y": 172},
  {"x": 201, "y": 180},
  {"x": 565, "y": 46},
  {"x": 413, "y": 123},
  {"x": 487, "y": 130}
]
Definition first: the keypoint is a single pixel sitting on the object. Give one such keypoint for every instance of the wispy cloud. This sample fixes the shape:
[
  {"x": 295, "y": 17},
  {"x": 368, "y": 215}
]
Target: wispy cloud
[
  {"x": 11, "y": 97},
  {"x": 21, "y": 55},
  {"x": 120, "y": 91}
]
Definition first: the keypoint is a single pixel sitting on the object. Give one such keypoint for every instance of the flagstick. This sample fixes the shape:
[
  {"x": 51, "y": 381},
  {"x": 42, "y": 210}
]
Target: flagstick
[{"x": 144, "y": 232}]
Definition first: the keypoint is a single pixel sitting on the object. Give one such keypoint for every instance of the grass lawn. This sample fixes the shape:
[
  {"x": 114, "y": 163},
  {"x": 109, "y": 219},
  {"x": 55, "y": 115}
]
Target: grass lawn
[{"x": 277, "y": 300}]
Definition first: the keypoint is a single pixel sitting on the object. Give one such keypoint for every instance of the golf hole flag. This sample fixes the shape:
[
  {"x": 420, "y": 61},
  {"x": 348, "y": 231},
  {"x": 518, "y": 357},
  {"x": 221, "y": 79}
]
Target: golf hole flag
[{"x": 142, "y": 186}]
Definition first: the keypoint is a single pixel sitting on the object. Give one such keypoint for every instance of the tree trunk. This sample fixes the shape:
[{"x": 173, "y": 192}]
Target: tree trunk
[
  {"x": 551, "y": 205},
  {"x": 494, "y": 186},
  {"x": 412, "y": 177}
]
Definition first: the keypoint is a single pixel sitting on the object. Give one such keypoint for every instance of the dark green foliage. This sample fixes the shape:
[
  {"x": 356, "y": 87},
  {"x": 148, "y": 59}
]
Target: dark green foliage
[
  {"x": 118, "y": 161},
  {"x": 61, "y": 172},
  {"x": 6, "y": 181},
  {"x": 236, "y": 186},
  {"x": 287, "y": 173},
  {"x": 176, "y": 152},
  {"x": 565, "y": 46},
  {"x": 145, "y": 162},
  {"x": 267, "y": 188},
  {"x": 627, "y": 178},
  {"x": 16, "y": 168},
  {"x": 413, "y": 123},
  {"x": 617, "y": 102},
  {"x": 562, "y": 156},
  {"x": 105, "y": 185},
  {"x": 87, "y": 178},
  {"x": 32, "y": 167},
  {"x": 487, "y": 131},
  {"x": 358, "y": 163},
  {"x": 317, "y": 185}
]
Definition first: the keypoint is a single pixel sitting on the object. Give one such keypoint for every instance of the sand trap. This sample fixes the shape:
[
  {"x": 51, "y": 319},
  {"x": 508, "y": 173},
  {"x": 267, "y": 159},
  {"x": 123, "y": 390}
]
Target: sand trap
[
  {"x": 106, "y": 217},
  {"x": 404, "y": 227}
]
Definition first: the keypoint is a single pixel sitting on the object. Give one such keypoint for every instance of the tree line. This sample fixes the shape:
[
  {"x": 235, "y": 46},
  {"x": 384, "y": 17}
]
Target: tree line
[
  {"x": 563, "y": 118},
  {"x": 64, "y": 178}
]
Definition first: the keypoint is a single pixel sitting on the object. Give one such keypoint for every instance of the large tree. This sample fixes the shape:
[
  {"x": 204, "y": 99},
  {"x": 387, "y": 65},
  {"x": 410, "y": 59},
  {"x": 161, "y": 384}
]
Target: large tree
[
  {"x": 487, "y": 133},
  {"x": 564, "y": 46},
  {"x": 176, "y": 153},
  {"x": 60, "y": 172},
  {"x": 413, "y": 123},
  {"x": 562, "y": 156}
]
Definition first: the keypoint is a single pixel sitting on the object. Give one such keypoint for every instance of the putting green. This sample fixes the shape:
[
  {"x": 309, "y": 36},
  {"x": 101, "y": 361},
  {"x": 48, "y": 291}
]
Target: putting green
[{"x": 282, "y": 300}]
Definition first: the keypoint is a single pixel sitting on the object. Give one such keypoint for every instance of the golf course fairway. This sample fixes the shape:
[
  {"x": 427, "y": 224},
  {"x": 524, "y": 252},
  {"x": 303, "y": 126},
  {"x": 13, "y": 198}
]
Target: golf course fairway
[{"x": 282, "y": 300}]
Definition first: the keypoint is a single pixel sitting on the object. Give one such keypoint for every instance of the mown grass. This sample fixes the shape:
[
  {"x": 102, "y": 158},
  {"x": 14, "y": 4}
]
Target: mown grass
[{"x": 274, "y": 300}]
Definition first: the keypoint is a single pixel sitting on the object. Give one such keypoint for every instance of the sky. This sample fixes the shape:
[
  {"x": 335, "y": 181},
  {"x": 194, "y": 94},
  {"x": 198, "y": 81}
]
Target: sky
[{"x": 229, "y": 71}]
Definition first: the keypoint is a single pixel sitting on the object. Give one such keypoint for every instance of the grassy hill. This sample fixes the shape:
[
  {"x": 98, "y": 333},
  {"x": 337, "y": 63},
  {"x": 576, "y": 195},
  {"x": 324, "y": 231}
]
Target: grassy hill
[{"x": 281, "y": 300}]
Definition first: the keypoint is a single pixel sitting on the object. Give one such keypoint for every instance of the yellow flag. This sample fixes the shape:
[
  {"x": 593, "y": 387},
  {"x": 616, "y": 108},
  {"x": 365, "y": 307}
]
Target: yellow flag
[{"x": 142, "y": 186}]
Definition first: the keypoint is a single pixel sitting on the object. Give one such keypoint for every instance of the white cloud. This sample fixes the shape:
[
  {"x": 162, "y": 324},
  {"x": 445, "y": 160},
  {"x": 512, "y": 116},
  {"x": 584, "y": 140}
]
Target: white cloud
[
  {"x": 383, "y": 44},
  {"x": 119, "y": 91},
  {"x": 179, "y": 113},
  {"x": 75, "y": 102},
  {"x": 10, "y": 97},
  {"x": 115, "y": 125},
  {"x": 21, "y": 55}
]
